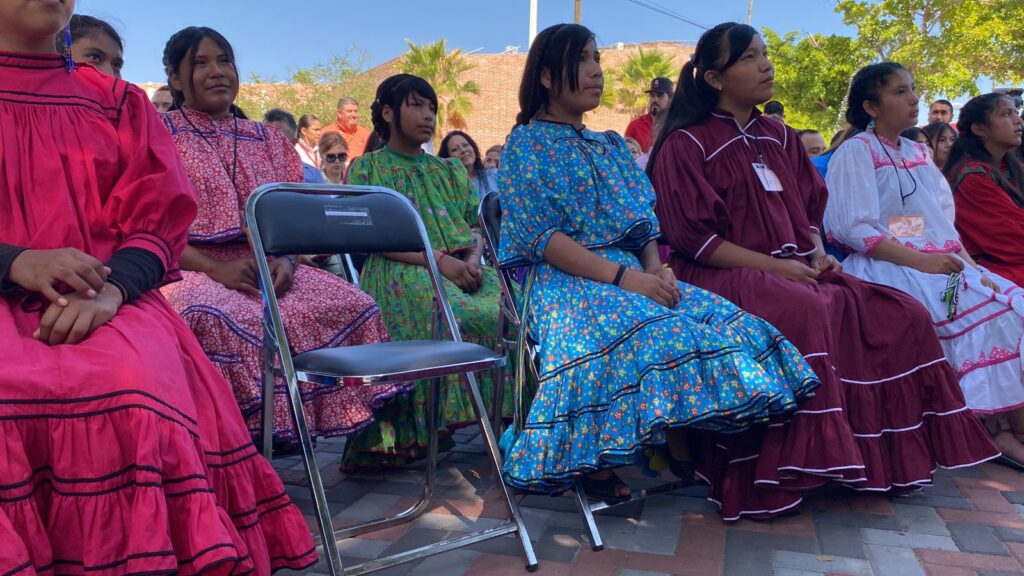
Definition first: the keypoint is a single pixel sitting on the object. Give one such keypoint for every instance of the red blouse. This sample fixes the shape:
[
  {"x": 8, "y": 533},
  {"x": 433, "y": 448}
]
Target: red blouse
[{"x": 990, "y": 223}]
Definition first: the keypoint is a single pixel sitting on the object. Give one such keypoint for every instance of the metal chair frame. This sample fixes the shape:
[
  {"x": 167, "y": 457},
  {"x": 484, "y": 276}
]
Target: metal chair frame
[
  {"x": 276, "y": 344},
  {"x": 508, "y": 331}
]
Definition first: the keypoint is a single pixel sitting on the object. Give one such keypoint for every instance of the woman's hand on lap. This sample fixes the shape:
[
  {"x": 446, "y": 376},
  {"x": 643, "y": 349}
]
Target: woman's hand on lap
[
  {"x": 75, "y": 321},
  {"x": 989, "y": 283},
  {"x": 938, "y": 263},
  {"x": 793, "y": 270},
  {"x": 460, "y": 273},
  {"x": 41, "y": 270},
  {"x": 239, "y": 274},
  {"x": 826, "y": 262},
  {"x": 283, "y": 272},
  {"x": 654, "y": 286}
]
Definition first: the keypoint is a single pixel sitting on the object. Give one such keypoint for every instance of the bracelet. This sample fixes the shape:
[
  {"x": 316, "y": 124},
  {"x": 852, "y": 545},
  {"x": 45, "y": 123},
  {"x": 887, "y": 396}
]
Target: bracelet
[{"x": 619, "y": 274}]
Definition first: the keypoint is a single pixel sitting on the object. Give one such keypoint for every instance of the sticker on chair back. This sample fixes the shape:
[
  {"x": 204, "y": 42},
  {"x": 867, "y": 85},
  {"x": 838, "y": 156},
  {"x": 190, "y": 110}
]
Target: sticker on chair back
[{"x": 351, "y": 215}]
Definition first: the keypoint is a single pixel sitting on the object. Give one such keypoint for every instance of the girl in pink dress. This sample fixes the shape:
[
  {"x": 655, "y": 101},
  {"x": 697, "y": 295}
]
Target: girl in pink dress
[
  {"x": 122, "y": 451},
  {"x": 226, "y": 157}
]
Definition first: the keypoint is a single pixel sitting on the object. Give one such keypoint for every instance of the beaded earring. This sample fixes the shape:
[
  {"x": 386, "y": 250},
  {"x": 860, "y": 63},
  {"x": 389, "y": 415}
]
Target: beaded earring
[
  {"x": 67, "y": 48},
  {"x": 871, "y": 125}
]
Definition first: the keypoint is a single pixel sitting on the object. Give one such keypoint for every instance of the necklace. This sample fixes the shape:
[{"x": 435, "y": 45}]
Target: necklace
[
  {"x": 903, "y": 198},
  {"x": 233, "y": 172}
]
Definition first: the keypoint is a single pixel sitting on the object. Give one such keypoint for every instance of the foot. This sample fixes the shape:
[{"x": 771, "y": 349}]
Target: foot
[
  {"x": 607, "y": 486},
  {"x": 1012, "y": 449}
]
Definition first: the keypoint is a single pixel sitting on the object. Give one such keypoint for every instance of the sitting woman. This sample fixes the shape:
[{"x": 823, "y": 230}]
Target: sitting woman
[
  {"x": 458, "y": 144},
  {"x": 226, "y": 158},
  {"x": 893, "y": 208},
  {"x": 629, "y": 356},
  {"x": 742, "y": 205},
  {"x": 988, "y": 185},
  {"x": 122, "y": 450},
  {"x": 333, "y": 157},
  {"x": 95, "y": 42},
  {"x": 941, "y": 137},
  {"x": 404, "y": 114}
]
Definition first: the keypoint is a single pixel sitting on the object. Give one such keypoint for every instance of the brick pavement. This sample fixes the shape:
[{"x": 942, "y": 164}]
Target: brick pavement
[{"x": 969, "y": 523}]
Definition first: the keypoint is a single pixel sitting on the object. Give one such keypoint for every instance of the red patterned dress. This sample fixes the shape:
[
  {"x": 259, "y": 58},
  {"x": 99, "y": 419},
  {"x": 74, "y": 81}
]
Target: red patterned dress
[
  {"x": 226, "y": 160},
  {"x": 124, "y": 453}
]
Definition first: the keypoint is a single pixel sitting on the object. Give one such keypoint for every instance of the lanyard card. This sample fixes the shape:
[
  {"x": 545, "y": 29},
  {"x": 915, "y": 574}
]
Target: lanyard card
[
  {"x": 906, "y": 226},
  {"x": 769, "y": 181}
]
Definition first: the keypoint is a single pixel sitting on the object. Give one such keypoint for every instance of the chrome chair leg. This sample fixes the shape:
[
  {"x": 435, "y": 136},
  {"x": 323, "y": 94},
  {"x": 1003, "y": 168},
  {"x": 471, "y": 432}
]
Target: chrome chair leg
[
  {"x": 269, "y": 354},
  {"x": 589, "y": 524}
]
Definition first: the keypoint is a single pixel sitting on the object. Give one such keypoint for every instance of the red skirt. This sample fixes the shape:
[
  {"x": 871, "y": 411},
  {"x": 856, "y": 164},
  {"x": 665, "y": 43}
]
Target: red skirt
[
  {"x": 888, "y": 412},
  {"x": 126, "y": 454}
]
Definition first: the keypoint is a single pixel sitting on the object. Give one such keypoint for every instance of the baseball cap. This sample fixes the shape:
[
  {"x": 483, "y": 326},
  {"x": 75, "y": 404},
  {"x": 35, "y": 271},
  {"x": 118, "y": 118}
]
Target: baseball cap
[{"x": 663, "y": 85}]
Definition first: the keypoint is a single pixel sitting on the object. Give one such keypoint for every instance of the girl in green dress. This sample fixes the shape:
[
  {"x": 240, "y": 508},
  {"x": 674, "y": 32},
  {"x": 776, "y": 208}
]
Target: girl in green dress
[{"x": 404, "y": 114}]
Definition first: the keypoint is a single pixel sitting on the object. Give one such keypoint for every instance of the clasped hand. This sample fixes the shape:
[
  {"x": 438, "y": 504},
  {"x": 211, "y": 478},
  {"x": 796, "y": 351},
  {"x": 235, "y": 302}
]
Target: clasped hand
[
  {"x": 466, "y": 274},
  {"x": 658, "y": 284}
]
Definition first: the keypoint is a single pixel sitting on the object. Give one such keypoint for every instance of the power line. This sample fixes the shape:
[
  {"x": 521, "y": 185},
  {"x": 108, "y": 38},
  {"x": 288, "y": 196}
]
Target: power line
[{"x": 655, "y": 7}]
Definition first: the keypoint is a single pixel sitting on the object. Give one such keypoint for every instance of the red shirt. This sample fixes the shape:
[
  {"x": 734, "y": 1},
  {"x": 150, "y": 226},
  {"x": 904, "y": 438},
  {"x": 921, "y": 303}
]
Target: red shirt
[
  {"x": 640, "y": 130},
  {"x": 355, "y": 139}
]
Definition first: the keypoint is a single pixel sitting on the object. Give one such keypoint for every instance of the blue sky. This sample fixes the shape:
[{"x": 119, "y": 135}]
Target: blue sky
[{"x": 273, "y": 37}]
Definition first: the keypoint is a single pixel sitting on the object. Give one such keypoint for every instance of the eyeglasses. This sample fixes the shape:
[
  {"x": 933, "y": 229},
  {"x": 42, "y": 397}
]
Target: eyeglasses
[{"x": 332, "y": 158}]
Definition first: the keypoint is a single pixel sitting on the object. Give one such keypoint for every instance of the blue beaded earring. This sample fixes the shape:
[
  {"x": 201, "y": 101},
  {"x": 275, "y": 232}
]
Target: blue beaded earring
[{"x": 67, "y": 48}]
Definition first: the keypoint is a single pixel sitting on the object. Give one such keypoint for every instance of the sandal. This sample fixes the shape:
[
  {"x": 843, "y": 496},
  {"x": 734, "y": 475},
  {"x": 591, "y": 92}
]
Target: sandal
[
  {"x": 606, "y": 490},
  {"x": 685, "y": 470}
]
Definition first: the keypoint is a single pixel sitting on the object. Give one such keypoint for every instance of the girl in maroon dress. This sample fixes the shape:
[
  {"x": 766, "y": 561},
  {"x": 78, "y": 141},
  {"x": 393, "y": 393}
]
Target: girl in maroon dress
[
  {"x": 741, "y": 206},
  {"x": 988, "y": 185},
  {"x": 226, "y": 157},
  {"x": 122, "y": 451}
]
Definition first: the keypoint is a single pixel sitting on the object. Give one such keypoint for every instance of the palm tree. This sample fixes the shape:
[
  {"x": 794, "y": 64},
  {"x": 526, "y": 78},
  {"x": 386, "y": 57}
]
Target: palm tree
[
  {"x": 631, "y": 79},
  {"x": 443, "y": 69}
]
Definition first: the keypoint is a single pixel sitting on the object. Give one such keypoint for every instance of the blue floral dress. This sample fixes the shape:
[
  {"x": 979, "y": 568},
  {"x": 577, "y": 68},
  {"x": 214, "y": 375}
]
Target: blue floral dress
[{"x": 616, "y": 368}]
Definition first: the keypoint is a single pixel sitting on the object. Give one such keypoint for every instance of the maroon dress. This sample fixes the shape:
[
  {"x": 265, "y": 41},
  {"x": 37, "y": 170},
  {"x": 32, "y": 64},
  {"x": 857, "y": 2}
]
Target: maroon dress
[
  {"x": 124, "y": 453},
  {"x": 889, "y": 408}
]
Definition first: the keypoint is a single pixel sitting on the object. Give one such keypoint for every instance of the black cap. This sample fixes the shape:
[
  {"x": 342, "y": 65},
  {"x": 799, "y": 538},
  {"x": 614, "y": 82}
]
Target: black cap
[{"x": 660, "y": 85}]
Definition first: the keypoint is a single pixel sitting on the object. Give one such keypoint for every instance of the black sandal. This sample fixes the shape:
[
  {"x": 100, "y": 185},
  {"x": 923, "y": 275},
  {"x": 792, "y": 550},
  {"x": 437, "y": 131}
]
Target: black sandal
[{"x": 605, "y": 490}]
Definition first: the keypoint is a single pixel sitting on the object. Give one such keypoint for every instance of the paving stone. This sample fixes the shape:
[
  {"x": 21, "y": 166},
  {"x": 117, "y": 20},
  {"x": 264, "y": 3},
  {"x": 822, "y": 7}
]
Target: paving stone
[
  {"x": 1009, "y": 534},
  {"x": 453, "y": 523},
  {"x": 820, "y": 563},
  {"x": 451, "y": 563},
  {"x": 751, "y": 552},
  {"x": 907, "y": 539},
  {"x": 925, "y": 499},
  {"x": 631, "y": 572},
  {"x": 415, "y": 538},
  {"x": 369, "y": 507},
  {"x": 839, "y": 540},
  {"x": 893, "y": 561},
  {"x": 362, "y": 549},
  {"x": 919, "y": 519},
  {"x": 794, "y": 572},
  {"x": 855, "y": 519},
  {"x": 978, "y": 539}
]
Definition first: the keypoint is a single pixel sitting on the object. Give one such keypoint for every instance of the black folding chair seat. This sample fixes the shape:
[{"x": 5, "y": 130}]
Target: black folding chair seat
[{"x": 393, "y": 361}]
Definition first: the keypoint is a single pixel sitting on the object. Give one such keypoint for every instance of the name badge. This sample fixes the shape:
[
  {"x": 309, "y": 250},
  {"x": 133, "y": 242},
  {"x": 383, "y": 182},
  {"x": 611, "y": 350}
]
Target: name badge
[
  {"x": 906, "y": 226},
  {"x": 767, "y": 176}
]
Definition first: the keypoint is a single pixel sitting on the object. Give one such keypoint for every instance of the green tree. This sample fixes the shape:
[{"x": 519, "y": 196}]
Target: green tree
[
  {"x": 443, "y": 70},
  {"x": 629, "y": 81},
  {"x": 812, "y": 76},
  {"x": 314, "y": 90},
  {"x": 947, "y": 45}
]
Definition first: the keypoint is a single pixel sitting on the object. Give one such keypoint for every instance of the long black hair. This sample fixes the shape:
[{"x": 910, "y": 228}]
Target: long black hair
[
  {"x": 934, "y": 131},
  {"x": 393, "y": 92},
  {"x": 556, "y": 49},
  {"x": 867, "y": 86},
  {"x": 969, "y": 146},
  {"x": 184, "y": 43},
  {"x": 82, "y": 25},
  {"x": 478, "y": 164},
  {"x": 718, "y": 49}
]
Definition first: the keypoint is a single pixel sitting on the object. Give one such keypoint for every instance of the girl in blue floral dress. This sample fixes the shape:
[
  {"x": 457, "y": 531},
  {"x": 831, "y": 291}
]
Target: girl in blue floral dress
[{"x": 628, "y": 356}]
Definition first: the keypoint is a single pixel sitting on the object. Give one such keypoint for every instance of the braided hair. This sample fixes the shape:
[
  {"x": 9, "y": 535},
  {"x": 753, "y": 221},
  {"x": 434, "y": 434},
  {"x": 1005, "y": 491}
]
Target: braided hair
[
  {"x": 184, "y": 43},
  {"x": 968, "y": 146},
  {"x": 867, "y": 86},
  {"x": 717, "y": 50},
  {"x": 393, "y": 92},
  {"x": 556, "y": 49}
]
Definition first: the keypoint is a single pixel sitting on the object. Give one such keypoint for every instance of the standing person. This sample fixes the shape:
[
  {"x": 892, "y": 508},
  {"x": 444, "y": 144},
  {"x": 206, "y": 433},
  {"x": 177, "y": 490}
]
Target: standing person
[
  {"x": 347, "y": 123},
  {"x": 742, "y": 206},
  {"x": 96, "y": 42},
  {"x": 457, "y": 144},
  {"x": 309, "y": 136},
  {"x": 940, "y": 111},
  {"x": 226, "y": 158},
  {"x": 658, "y": 97},
  {"x": 813, "y": 142},
  {"x": 162, "y": 99},
  {"x": 492, "y": 160},
  {"x": 122, "y": 450},
  {"x": 629, "y": 357},
  {"x": 775, "y": 109},
  {"x": 915, "y": 134},
  {"x": 404, "y": 113},
  {"x": 941, "y": 137},
  {"x": 893, "y": 208},
  {"x": 988, "y": 185}
]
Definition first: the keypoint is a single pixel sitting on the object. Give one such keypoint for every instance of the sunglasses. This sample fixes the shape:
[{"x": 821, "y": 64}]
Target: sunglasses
[{"x": 332, "y": 158}]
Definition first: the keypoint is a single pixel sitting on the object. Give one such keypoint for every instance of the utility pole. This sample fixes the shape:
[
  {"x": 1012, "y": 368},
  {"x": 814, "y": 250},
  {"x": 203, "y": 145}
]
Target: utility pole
[
  {"x": 533, "y": 21},
  {"x": 577, "y": 7},
  {"x": 750, "y": 10}
]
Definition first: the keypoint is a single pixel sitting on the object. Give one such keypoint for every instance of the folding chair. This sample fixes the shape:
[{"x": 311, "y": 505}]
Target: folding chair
[
  {"x": 323, "y": 219},
  {"x": 509, "y": 338}
]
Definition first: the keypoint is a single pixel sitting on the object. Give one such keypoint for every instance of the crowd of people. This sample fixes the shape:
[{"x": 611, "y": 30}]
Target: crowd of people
[{"x": 766, "y": 313}]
